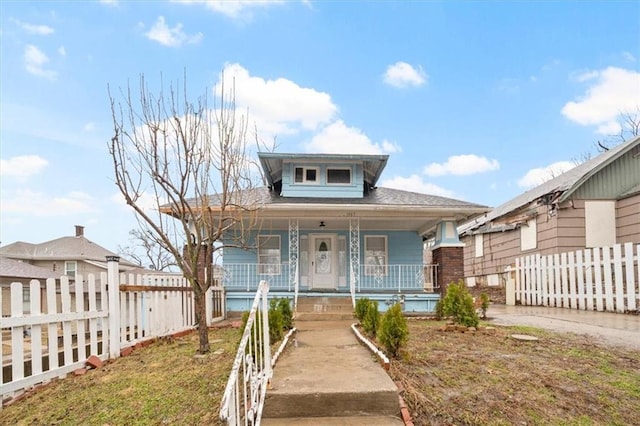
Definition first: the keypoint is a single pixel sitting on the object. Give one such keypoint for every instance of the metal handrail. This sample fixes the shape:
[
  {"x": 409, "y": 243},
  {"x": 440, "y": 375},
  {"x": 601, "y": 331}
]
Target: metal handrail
[{"x": 246, "y": 389}]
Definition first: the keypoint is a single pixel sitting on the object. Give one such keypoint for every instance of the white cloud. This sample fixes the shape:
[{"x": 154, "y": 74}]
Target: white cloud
[
  {"x": 462, "y": 165},
  {"x": 112, "y": 3},
  {"x": 29, "y": 202},
  {"x": 338, "y": 138},
  {"x": 34, "y": 29},
  {"x": 22, "y": 166},
  {"x": 538, "y": 176},
  {"x": 171, "y": 37},
  {"x": 414, "y": 183},
  {"x": 34, "y": 62},
  {"x": 613, "y": 91},
  {"x": 62, "y": 51},
  {"x": 89, "y": 127},
  {"x": 233, "y": 8},
  {"x": 277, "y": 106},
  {"x": 147, "y": 201},
  {"x": 402, "y": 74}
]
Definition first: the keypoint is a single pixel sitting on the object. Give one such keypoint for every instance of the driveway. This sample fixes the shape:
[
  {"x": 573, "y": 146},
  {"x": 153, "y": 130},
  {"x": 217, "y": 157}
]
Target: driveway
[{"x": 609, "y": 328}]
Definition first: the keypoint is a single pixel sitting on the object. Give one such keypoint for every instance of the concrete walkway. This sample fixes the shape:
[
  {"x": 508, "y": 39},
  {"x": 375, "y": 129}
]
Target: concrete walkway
[
  {"x": 328, "y": 377},
  {"x": 609, "y": 328}
]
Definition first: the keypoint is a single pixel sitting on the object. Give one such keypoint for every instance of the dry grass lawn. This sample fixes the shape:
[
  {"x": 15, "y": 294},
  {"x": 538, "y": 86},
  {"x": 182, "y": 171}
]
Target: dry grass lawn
[{"x": 450, "y": 378}]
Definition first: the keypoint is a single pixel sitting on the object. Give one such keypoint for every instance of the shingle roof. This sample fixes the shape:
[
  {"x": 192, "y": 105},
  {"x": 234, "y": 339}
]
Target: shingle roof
[
  {"x": 12, "y": 268},
  {"x": 263, "y": 196},
  {"x": 65, "y": 248},
  {"x": 567, "y": 181}
]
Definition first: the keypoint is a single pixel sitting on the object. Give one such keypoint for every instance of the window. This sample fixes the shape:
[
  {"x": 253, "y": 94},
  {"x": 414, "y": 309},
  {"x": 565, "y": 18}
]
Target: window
[
  {"x": 70, "y": 268},
  {"x": 375, "y": 255},
  {"x": 529, "y": 235},
  {"x": 306, "y": 175},
  {"x": 269, "y": 254},
  {"x": 600, "y": 223},
  {"x": 479, "y": 242},
  {"x": 339, "y": 176}
]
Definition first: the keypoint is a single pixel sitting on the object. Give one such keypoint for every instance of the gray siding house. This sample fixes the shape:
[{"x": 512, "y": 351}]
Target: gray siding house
[
  {"x": 327, "y": 229},
  {"x": 595, "y": 204}
]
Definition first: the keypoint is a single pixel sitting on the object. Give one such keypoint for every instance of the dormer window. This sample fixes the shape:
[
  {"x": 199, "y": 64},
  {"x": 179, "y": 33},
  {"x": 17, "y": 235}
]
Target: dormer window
[
  {"x": 306, "y": 175},
  {"x": 339, "y": 176}
]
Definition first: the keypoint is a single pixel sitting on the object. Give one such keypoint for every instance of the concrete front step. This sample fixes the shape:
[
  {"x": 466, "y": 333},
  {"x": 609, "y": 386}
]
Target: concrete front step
[
  {"x": 336, "y": 421},
  {"x": 319, "y": 308},
  {"x": 324, "y": 316}
]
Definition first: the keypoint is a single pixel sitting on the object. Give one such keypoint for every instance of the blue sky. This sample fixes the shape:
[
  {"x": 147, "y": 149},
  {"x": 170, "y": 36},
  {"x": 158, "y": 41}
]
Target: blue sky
[{"x": 471, "y": 100}]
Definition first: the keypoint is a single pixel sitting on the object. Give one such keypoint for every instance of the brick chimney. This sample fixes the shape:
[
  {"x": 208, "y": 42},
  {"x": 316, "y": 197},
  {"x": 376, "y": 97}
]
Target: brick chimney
[{"x": 79, "y": 231}]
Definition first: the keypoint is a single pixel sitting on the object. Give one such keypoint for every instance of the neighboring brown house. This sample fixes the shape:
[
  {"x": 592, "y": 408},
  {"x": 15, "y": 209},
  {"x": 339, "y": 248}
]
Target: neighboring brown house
[
  {"x": 595, "y": 204},
  {"x": 66, "y": 256}
]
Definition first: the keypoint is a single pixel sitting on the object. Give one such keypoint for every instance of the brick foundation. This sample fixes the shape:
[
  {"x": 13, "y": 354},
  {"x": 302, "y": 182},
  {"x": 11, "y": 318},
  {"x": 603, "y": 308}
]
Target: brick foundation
[{"x": 450, "y": 261}]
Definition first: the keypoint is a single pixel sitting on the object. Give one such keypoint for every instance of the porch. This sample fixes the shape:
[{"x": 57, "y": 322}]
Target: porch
[{"x": 415, "y": 286}]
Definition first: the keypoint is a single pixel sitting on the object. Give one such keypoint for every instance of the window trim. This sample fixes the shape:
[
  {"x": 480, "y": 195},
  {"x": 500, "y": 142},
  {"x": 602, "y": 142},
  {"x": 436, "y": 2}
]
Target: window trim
[
  {"x": 478, "y": 245},
  {"x": 262, "y": 268},
  {"x": 371, "y": 270},
  {"x": 67, "y": 270},
  {"x": 529, "y": 235},
  {"x": 343, "y": 169},
  {"x": 304, "y": 180}
]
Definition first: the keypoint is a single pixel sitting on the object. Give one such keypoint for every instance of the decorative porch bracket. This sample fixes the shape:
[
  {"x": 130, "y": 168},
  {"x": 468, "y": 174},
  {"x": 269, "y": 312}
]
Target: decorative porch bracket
[
  {"x": 354, "y": 254},
  {"x": 294, "y": 239}
]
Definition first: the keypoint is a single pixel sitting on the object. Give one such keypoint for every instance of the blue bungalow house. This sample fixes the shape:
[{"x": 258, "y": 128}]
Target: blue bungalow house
[{"x": 327, "y": 229}]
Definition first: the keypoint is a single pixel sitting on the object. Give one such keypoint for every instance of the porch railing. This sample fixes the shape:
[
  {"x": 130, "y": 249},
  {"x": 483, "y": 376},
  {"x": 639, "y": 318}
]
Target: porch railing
[
  {"x": 251, "y": 373},
  {"x": 397, "y": 278}
]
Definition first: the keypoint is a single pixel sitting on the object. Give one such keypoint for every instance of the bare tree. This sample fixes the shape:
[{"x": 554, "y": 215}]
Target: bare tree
[
  {"x": 185, "y": 170},
  {"x": 629, "y": 128},
  {"x": 145, "y": 251}
]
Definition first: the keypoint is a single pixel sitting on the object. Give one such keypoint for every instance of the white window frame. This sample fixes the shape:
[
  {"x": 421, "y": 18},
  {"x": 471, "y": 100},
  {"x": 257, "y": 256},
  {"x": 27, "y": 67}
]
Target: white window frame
[
  {"x": 348, "y": 169},
  {"x": 304, "y": 175},
  {"x": 269, "y": 268},
  {"x": 479, "y": 245},
  {"x": 600, "y": 223},
  {"x": 375, "y": 269},
  {"x": 70, "y": 272},
  {"x": 529, "y": 235}
]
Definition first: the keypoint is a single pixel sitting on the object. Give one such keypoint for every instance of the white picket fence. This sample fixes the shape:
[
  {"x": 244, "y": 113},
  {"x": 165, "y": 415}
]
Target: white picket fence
[
  {"x": 92, "y": 316},
  {"x": 602, "y": 279}
]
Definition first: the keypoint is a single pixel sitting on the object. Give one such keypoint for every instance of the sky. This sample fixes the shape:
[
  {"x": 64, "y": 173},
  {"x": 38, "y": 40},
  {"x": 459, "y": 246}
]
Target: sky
[{"x": 477, "y": 101}]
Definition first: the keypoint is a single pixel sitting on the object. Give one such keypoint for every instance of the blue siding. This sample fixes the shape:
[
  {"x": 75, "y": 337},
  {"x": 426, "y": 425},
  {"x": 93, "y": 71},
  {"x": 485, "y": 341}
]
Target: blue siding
[{"x": 320, "y": 189}]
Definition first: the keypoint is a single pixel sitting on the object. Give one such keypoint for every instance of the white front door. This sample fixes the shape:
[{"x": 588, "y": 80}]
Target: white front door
[{"x": 324, "y": 262}]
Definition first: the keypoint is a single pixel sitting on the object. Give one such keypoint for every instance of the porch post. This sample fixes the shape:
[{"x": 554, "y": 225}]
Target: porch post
[
  {"x": 293, "y": 255},
  {"x": 113, "y": 289},
  {"x": 354, "y": 253},
  {"x": 448, "y": 254}
]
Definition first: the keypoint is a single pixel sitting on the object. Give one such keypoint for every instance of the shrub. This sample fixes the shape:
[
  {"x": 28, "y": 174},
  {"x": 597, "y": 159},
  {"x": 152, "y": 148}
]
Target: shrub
[
  {"x": 439, "y": 310},
  {"x": 287, "y": 314},
  {"x": 484, "y": 305},
  {"x": 458, "y": 303},
  {"x": 276, "y": 321},
  {"x": 393, "y": 332},
  {"x": 361, "y": 308},
  {"x": 371, "y": 319}
]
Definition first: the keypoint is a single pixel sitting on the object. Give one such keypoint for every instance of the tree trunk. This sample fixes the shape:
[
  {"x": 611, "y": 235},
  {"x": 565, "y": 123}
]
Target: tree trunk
[{"x": 201, "y": 319}]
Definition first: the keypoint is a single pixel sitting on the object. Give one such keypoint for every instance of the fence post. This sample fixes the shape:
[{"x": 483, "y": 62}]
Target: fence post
[{"x": 113, "y": 286}]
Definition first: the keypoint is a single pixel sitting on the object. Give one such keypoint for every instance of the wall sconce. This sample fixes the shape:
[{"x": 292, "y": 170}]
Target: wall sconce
[{"x": 322, "y": 225}]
